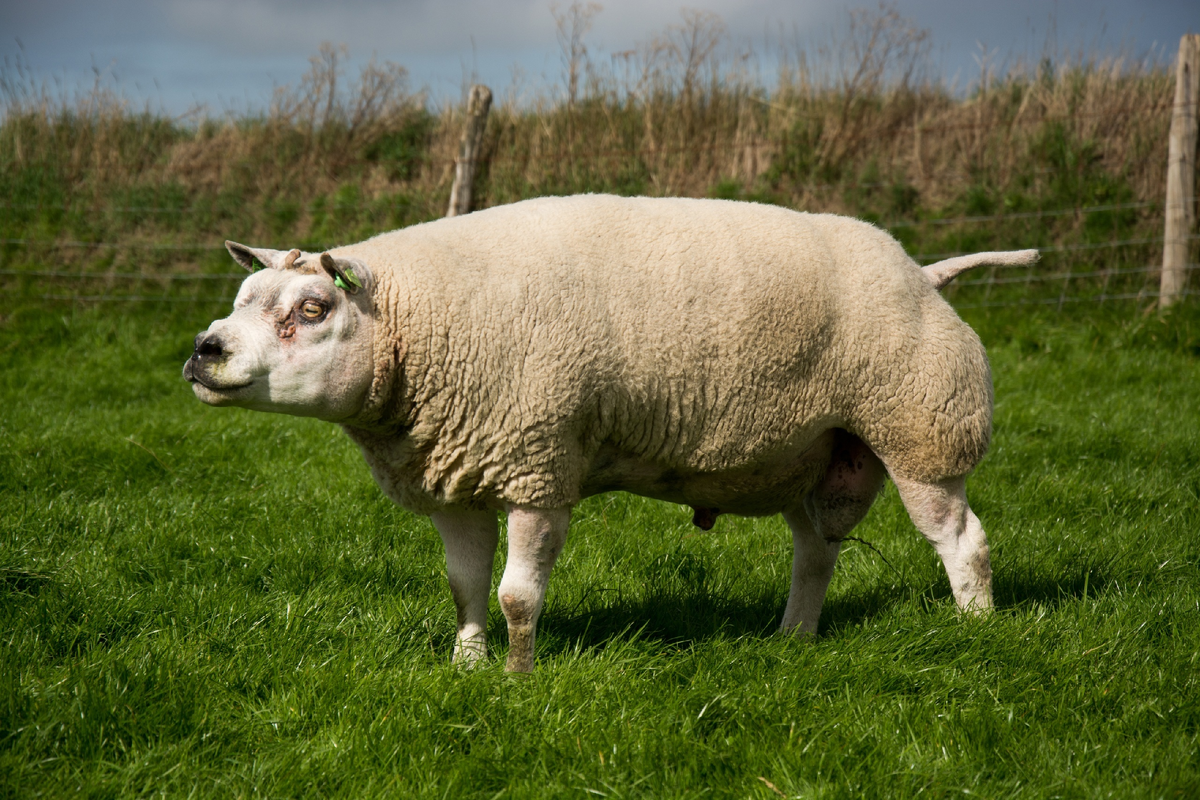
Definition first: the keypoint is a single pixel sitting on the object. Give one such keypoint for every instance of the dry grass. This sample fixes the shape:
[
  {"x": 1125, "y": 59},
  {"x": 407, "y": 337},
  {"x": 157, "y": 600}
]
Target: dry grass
[{"x": 859, "y": 128}]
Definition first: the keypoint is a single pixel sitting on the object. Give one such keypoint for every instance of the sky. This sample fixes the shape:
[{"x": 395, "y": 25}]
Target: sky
[{"x": 228, "y": 55}]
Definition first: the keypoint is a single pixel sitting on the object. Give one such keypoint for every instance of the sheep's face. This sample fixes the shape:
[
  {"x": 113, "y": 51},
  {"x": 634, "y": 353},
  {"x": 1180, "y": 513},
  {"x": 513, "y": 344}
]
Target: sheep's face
[{"x": 298, "y": 340}]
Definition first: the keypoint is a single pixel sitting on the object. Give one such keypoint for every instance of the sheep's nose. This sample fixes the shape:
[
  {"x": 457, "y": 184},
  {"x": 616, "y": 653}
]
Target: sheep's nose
[
  {"x": 208, "y": 345},
  {"x": 209, "y": 350}
]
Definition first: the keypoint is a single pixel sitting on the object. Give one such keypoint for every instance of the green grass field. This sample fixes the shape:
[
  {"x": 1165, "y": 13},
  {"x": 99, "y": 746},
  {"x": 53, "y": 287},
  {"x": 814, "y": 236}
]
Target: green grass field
[{"x": 206, "y": 602}]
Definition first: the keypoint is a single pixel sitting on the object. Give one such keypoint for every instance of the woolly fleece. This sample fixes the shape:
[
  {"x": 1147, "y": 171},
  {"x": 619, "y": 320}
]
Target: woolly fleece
[{"x": 697, "y": 351}]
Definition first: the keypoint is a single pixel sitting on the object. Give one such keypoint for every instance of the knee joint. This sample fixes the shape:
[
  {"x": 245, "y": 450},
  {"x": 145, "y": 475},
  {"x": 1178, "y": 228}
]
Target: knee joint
[{"x": 518, "y": 610}]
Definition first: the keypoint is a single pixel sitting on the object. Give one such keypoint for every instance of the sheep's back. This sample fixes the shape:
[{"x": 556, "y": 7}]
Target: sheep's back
[{"x": 698, "y": 335}]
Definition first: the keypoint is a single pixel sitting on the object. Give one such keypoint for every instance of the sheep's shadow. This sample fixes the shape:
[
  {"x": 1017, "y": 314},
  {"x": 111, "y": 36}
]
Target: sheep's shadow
[
  {"x": 675, "y": 619},
  {"x": 692, "y": 617},
  {"x": 1051, "y": 590}
]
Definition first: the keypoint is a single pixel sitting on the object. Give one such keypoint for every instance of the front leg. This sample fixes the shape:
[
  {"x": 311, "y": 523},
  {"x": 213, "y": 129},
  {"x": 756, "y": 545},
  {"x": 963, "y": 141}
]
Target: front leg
[
  {"x": 470, "y": 540},
  {"x": 535, "y": 538}
]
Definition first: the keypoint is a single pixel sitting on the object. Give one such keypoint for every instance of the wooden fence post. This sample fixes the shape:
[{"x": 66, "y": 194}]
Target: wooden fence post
[
  {"x": 1181, "y": 172},
  {"x": 478, "y": 105}
]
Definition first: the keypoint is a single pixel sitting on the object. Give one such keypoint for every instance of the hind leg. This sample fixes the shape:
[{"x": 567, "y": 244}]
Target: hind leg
[
  {"x": 940, "y": 512},
  {"x": 851, "y": 483},
  {"x": 813, "y": 559}
]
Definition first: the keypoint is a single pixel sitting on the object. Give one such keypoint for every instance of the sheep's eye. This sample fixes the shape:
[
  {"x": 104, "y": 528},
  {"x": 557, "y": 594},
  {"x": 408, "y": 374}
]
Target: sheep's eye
[{"x": 311, "y": 309}]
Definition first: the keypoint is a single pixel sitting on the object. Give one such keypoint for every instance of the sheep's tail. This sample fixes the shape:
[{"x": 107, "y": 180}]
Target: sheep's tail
[{"x": 942, "y": 272}]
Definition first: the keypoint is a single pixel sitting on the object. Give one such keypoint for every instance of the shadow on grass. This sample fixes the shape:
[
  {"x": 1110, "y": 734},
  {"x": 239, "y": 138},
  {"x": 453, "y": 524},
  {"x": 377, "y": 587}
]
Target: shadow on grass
[
  {"x": 674, "y": 619},
  {"x": 682, "y": 619},
  {"x": 22, "y": 581},
  {"x": 1051, "y": 590},
  {"x": 669, "y": 619}
]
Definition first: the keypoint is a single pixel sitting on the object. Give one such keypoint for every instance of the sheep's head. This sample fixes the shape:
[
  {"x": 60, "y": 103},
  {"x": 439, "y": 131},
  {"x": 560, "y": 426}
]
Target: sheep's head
[{"x": 298, "y": 340}]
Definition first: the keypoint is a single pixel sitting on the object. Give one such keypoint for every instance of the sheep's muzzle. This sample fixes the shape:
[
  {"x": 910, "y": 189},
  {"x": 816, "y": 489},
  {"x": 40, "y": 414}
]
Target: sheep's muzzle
[{"x": 208, "y": 351}]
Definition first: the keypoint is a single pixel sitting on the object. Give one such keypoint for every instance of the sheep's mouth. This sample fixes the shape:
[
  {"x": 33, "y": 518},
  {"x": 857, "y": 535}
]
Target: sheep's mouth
[
  {"x": 195, "y": 376},
  {"x": 212, "y": 387}
]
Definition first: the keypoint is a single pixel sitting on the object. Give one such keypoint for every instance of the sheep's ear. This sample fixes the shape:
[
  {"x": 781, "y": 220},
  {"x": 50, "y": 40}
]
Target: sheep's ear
[
  {"x": 256, "y": 258},
  {"x": 347, "y": 275}
]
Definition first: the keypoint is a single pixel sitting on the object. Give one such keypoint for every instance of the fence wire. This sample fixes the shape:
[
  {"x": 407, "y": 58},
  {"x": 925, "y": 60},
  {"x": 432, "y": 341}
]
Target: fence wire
[
  {"x": 366, "y": 204},
  {"x": 1114, "y": 269}
]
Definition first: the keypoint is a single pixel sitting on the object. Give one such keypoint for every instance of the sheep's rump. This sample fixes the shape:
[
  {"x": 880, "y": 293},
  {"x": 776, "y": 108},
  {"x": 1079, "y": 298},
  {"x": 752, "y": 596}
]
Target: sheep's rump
[{"x": 559, "y": 346}]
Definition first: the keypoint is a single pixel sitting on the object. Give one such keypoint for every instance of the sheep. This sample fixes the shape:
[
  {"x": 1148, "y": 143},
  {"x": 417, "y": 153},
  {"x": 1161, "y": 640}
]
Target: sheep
[{"x": 731, "y": 357}]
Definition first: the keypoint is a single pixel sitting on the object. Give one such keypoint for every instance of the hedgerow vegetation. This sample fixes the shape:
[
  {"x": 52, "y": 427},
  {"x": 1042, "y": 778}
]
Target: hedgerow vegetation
[{"x": 861, "y": 127}]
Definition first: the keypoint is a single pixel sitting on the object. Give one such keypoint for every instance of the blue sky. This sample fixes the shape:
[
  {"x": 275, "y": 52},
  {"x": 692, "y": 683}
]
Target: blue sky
[{"x": 227, "y": 55}]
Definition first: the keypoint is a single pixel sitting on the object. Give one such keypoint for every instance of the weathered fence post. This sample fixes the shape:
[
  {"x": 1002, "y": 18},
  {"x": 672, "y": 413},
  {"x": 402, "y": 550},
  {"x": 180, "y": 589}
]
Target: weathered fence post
[
  {"x": 1181, "y": 172},
  {"x": 478, "y": 105}
]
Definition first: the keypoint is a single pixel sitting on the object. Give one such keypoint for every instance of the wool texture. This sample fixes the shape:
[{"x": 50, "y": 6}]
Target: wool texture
[{"x": 697, "y": 351}]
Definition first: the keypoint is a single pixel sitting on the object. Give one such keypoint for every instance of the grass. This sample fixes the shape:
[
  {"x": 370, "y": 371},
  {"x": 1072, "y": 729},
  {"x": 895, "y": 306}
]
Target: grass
[{"x": 203, "y": 602}]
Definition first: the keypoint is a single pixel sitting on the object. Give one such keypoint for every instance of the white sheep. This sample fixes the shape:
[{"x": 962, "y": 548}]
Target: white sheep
[{"x": 733, "y": 357}]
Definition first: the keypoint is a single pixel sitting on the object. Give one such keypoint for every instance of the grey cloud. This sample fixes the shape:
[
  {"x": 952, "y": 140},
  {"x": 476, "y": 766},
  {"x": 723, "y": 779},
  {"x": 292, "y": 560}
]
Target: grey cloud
[
  {"x": 421, "y": 26},
  {"x": 215, "y": 49}
]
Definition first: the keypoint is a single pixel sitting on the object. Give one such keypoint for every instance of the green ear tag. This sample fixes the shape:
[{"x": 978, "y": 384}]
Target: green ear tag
[
  {"x": 255, "y": 264},
  {"x": 354, "y": 283}
]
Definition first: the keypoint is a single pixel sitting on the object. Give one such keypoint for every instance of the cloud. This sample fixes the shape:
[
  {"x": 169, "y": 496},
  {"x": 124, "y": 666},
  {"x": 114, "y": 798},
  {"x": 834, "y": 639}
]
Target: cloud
[
  {"x": 215, "y": 49},
  {"x": 424, "y": 26},
  {"x": 409, "y": 26}
]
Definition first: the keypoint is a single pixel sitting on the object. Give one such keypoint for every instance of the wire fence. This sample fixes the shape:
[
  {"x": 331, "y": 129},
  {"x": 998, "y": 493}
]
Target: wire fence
[
  {"x": 1080, "y": 263},
  {"x": 365, "y": 204},
  {"x": 1072, "y": 286}
]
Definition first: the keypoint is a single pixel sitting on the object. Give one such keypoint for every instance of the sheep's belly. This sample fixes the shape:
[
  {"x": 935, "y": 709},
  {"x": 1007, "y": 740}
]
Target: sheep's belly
[{"x": 764, "y": 488}]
